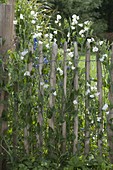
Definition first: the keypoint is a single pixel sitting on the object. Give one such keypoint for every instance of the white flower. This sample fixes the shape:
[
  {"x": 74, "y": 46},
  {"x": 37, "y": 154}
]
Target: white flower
[
  {"x": 47, "y": 46},
  {"x": 77, "y": 17},
  {"x": 80, "y": 25},
  {"x": 98, "y": 119},
  {"x": 73, "y": 68},
  {"x": 68, "y": 49},
  {"x": 22, "y": 57},
  {"x": 37, "y": 35},
  {"x": 88, "y": 91},
  {"x": 74, "y": 19},
  {"x": 70, "y": 54},
  {"x": 82, "y": 35},
  {"x": 70, "y": 63},
  {"x": 55, "y": 40},
  {"x": 87, "y": 22},
  {"x": 92, "y": 39},
  {"x": 15, "y": 22},
  {"x": 74, "y": 16},
  {"x": 101, "y": 42},
  {"x": 59, "y": 24},
  {"x": 60, "y": 71},
  {"x": 56, "y": 22},
  {"x": 50, "y": 35},
  {"x": 101, "y": 59},
  {"x": 89, "y": 40},
  {"x": 38, "y": 27},
  {"x": 54, "y": 93},
  {"x": 74, "y": 22},
  {"x": 105, "y": 107},
  {"x": 40, "y": 42},
  {"x": 92, "y": 121},
  {"x": 41, "y": 83},
  {"x": 68, "y": 35},
  {"x": 46, "y": 86},
  {"x": 33, "y": 21},
  {"x": 46, "y": 35},
  {"x": 58, "y": 17},
  {"x": 32, "y": 12},
  {"x": 21, "y": 16},
  {"x": 24, "y": 52},
  {"x": 105, "y": 55},
  {"x": 75, "y": 102},
  {"x": 91, "y": 96},
  {"x": 107, "y": 112},
  {"x": 55, "y": 32},
  {"x": 93, "y": 88},
  {"x": 81, "y": 32},
  {"x": 95, "y": 49},
  {"x": 27, "y": 73},
  {"x": 72, "y": 27}
]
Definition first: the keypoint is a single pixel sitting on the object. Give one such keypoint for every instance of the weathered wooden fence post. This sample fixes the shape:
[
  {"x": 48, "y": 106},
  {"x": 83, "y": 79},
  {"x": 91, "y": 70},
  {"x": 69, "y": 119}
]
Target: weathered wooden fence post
[
  {"x": 100, "y": 102},
  {"x": 76, "y": 86},
  {"x": 52, "y": 97},
  {"x": 87, "y": 79},
  {"x": 6, "y": 42},
  {"x": 64, "y": 99},
  {"x": 39, "y": 134},
  {"x": 110, "y": 115}
]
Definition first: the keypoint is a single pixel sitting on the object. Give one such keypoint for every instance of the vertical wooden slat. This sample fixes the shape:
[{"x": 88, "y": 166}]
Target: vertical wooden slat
[
  {"x": 87, "y": 79},
  {"x": 64, "y": 99},
  {"x": 110, "y": 115},
  {"x": 52, "y": 96},
  {"x": 41, "y": 93},
  {"x": 27, "y": 126},
  {"x": 52, "y": 83},
  {"x": 75, "y": 97},
  {"x": 100, "y": 102}
]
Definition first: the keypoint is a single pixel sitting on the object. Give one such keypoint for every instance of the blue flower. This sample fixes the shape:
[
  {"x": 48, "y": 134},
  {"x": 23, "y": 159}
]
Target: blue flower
[
  {"x": 46, "y": 81},
  {"x": 35, "y": 43},
  {"x": 68, "y": 67},
  {"x": 45, "y": 60}
]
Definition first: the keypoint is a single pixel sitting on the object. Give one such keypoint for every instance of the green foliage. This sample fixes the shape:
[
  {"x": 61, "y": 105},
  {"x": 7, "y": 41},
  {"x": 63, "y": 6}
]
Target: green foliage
[
  {"x": 76, "y": 163},
  {"x": 3, "y": 1},
  {"x": 29, "y": 92}
]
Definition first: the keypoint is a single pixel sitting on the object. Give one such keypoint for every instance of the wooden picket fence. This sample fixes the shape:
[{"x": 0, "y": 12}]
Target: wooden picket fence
[
  {"x": 51, "y": 123},
  {"x": 52, "y": 99}
]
